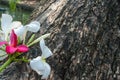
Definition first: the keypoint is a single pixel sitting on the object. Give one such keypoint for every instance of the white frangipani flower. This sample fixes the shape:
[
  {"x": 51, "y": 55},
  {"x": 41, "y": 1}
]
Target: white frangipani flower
[
  {"x": 6, "y": 21},
  {"x": 46, "y": 52},
  {"x": 20, "y": 31},
  {"x": 7, "y": 25},
  {"x": 39, "y": 64},
  {"x": 46, "y": 71},
  {"x": 32, "y": 27}
]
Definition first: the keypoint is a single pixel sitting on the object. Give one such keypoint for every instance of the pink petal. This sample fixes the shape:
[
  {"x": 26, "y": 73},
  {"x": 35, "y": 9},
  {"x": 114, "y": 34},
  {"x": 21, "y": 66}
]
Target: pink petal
[
  {"x": 10, "y": 49},
  {"x": 3, "y": 42},
  {"x": 22, "y": 48},
  {"x": 13, "y": 39}
]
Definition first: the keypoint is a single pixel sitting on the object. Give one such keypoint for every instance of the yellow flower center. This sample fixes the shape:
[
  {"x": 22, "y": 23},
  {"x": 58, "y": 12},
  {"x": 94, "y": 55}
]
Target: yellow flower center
[{"x": 43, "y": 59}]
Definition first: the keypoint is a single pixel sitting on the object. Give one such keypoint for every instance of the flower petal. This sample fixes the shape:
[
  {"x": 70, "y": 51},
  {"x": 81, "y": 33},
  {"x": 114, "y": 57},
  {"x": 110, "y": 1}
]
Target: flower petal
[
  {"x": 13, "y": 39},
  {"x": 10, "y": 49},
  {"x": 15, "y": 24},
  {"x": 33, "y": 26},
  {"x": 37, "y": 65},
  {"x": 2, "y": 36},
  {"x": 3, "y": 55},
  {"x": 5, "y": 22},
  {"x": 46, "y": 71},
  {"x": 20, "y": 32},
  {"x": 46, "y": 52},
  {"x": 3, "y": 42},
  {"x": 22, "y": 48}
]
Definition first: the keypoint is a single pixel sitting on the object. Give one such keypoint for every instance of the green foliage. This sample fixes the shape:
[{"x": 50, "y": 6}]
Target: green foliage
[
  {"x": 17, "y": 12},
  {"x": 18, "y": 15},
  {"x": 12, "y": 4}
]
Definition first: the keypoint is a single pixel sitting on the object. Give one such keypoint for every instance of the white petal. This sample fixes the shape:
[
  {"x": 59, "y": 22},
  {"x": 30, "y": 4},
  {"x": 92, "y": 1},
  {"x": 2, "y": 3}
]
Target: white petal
[
  {"x": 20, "y": 31},
  {"x": 46, "y": 71},
  {"x": 37, "y": 65},
  {"x": 33, "y": 26},
  {"x": 2, "y": 36},
  {"x": 6, "y": 20},
  {"x": 42, "y": 44},
  {"x": 3, "y": 55},
  {"x": 46, "y": 52},
  {"x": 16, "y": 24}
]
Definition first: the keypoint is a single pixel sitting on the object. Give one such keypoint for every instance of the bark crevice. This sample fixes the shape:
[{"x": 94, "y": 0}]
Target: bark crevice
[{"x": 85, "y": 39}]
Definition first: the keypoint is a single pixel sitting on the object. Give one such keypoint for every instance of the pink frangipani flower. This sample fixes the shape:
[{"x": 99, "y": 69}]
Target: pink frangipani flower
[{"x": 13, "y": 47}]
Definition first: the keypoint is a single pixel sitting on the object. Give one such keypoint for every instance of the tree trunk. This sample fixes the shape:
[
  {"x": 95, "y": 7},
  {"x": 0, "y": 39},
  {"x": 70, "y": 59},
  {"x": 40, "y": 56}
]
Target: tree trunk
[{"x": 85, "y": 41}]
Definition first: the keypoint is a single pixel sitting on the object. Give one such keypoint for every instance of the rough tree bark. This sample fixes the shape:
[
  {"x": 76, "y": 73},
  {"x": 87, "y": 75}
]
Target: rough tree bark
[{"x": 85, "y": 41}]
